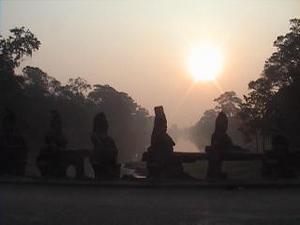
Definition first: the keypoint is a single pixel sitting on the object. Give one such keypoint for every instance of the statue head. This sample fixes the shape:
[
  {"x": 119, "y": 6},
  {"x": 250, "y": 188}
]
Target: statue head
[
  {"x": 100, "y": 123},
  {"x": 221, "y": 123}
]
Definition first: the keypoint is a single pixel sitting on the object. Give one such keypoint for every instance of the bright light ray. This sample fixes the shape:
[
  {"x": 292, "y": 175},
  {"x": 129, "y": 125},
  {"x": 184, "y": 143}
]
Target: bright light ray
[
  {"x": 204, "y": 62},
  {"x": 218, "y": 86},
  {"x": 184, "y": 97},
  {"x": 187, "y": 93},
  {"x": 219, "y": 57}
]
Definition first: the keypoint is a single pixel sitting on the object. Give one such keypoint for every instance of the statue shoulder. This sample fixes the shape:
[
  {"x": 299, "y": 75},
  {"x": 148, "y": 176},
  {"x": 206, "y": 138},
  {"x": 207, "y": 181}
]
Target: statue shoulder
[{"x": 170, "y": 140}]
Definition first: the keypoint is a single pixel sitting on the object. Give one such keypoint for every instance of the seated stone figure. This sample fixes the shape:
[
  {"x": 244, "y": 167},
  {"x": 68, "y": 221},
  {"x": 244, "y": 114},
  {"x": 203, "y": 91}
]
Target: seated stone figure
[
  {"x": 13, "y": 147},
  {"x": 276, "y": 162},
  {"x": 105, "y": 153},
  {"x": 220, "y": 144},
  {"x": 161, "y": 161},
  {"x": 49, "y": 160}
]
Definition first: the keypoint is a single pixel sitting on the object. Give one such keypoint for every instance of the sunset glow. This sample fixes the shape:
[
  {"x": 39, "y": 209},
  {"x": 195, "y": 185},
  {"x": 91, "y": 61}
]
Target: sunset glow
[
  {"x": 205, "y": 63},
  {"x": 180, "y": 54}
]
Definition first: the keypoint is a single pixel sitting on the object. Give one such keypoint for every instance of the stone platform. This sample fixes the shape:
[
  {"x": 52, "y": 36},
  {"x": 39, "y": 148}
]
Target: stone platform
[{"x": 156, "y": 183}]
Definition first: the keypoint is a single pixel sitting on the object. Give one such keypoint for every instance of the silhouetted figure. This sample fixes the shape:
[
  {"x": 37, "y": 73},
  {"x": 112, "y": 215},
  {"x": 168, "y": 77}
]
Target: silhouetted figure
[
  {"x": 105, "y": 153},
  {"x": 49, "y": 160},
  {"x": 220, "y": 144},
  {"x": 277, "y": 161},
  {"x": 161, "y": 161},
  {"x": 13, "y": 147}
]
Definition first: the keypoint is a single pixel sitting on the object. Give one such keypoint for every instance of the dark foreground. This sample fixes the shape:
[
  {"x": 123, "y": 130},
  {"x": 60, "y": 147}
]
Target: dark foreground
[{"x": 62, "y": 205}]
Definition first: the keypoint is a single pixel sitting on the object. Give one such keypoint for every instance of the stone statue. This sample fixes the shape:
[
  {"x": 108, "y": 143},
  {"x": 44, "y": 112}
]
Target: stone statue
[
  {"x": 55, "y": 139},
  {"x": 161, "y": 161},
  {"x": 13, "y": 146},
  {"x": 105, "y": 152},
  {"x": 220, "y": 140},
  {"x": 161, "y": 143},
  {"x": 276, "y": 162},
  {"x": 220, "y": 144},
  {"x": 49, "y": 160}
]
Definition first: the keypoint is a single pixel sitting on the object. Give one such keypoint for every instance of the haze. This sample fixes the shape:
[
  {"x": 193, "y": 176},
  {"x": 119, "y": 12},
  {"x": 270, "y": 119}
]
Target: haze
[{"x": 141, "y": 47}]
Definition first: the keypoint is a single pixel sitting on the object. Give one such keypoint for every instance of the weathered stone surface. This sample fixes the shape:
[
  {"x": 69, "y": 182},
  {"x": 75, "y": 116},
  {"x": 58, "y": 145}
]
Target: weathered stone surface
[
  {"x": 50, "y": 158},
  {"x": 13, "y": 146},
  {"x": 161, "y": 161},
  {"x": 220, "y": 144},
  {"x": 279, "y": 161},
  {"x": 105, "y": 153}
]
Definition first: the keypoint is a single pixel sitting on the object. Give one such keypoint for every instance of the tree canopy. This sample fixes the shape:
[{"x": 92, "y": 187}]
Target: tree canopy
[
  {"x": 272, "y": 104},
  {"x": 227, "y": 102},
  {"x": 33, "y": 94}
]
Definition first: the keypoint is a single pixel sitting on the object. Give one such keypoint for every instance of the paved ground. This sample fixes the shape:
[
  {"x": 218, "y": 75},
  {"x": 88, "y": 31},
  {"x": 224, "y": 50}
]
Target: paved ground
[{"x": 63, "y": 205}]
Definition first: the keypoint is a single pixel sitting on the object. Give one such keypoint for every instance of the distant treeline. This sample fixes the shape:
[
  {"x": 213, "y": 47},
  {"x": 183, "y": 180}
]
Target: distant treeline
[
  {"x": 272, "y": 105},
  {"x": 33, "y": 94}
]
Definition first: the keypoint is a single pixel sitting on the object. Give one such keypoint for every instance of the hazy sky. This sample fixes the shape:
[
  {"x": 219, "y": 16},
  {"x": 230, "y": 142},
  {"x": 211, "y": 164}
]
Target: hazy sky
[{"x": 141, "y": 47}]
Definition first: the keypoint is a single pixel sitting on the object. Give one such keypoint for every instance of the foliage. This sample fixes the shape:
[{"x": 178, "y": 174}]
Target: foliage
[
  {"x": 33, "y": 94},
  {"x": 20, "y": 43},
  {"x": 228, "y": 102},
  {"x": 201, "y": 132},
  {"x": 273, "y": 99},
  {"x": 283, "y": 67}
]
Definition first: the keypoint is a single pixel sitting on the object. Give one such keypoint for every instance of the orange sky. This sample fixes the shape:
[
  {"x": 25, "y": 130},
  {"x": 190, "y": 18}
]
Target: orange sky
[{"x": 141, "y": 47}]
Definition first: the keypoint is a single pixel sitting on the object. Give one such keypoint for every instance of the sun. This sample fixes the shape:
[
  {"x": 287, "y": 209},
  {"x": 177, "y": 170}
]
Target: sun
[{"x": 205, "y": 62}]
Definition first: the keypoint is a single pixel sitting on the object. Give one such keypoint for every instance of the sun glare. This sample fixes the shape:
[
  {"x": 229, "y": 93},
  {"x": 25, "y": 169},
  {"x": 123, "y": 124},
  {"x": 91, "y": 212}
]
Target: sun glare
[{"x": 204, "y": 63}]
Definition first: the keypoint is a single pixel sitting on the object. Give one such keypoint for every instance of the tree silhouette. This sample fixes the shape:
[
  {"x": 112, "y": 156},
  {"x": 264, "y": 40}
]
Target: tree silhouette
[
  {"x": 20, "y": 43},
  {"x": 33, "y": 94},
  {"x": 227, "y": 102},
  {"x": 272, "y": 105}
]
